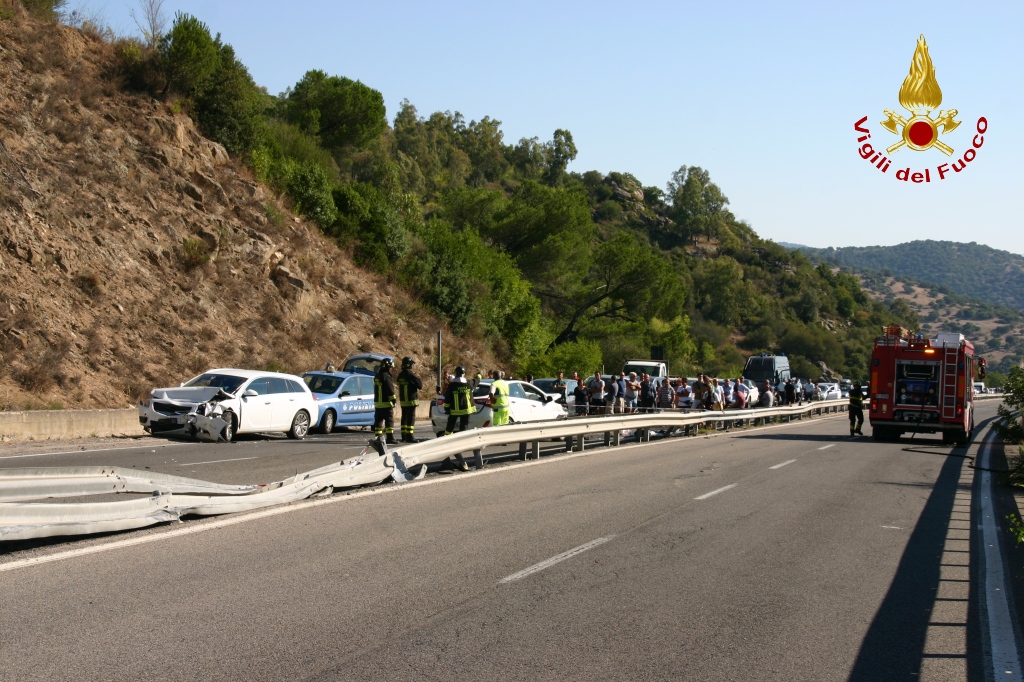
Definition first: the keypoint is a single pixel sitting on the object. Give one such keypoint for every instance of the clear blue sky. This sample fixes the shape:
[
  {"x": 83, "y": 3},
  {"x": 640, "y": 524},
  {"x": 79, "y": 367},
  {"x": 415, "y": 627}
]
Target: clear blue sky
[{"x": 762, "y": 95}]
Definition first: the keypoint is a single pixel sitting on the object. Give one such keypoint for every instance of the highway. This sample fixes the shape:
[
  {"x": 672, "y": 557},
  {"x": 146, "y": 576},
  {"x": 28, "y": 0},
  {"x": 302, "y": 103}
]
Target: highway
[{"x": 782, "y": 553}]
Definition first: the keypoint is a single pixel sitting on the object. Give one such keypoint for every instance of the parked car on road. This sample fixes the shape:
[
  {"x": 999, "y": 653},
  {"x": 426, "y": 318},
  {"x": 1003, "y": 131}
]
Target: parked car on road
[
  {"x": 221, "y": 403},
  {"x": 828, "y": 391},
  {"x": 566, "y": 398},
  {"x": 526, "y": 403},
  {"x": 344, "y": 399},
  {"x": 366, "y": 364}
]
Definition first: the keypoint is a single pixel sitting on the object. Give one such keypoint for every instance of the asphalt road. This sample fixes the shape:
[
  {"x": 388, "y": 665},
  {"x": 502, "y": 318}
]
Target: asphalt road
[{"x": 786, "y": 553}]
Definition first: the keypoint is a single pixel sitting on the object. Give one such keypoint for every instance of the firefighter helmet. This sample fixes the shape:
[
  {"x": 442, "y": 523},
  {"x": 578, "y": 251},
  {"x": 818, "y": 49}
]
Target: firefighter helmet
[
  {"x": 460, "y": 371},
  {"x": 387, "y": 363},
  {"x": 407, "y": 362}
]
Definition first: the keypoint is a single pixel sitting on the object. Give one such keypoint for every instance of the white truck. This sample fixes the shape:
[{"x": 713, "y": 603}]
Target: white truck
[{"x": 656, "y": 368}]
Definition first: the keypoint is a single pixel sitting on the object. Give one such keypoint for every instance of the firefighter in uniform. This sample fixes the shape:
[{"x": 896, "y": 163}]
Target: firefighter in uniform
[
  {"x": 384, "y": 402},
  {"x": 458, "y": 405},
  {"x": 499, "y": 399},
  {"x": 856, "y": 410},
  {"x": 408, "y": 386}
]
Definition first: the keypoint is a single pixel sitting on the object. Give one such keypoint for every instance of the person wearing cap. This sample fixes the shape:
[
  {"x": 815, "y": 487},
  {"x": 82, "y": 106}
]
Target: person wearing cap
[
  {"x": 458, "y": 405},
  {"x": 856, "y": 410},
  {"x": 384, "y": 402},
  {"x": 409, "y": 386}
]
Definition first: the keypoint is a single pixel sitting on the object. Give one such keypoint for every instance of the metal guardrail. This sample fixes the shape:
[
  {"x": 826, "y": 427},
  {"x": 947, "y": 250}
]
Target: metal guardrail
[{"x": 173, "y": 497}]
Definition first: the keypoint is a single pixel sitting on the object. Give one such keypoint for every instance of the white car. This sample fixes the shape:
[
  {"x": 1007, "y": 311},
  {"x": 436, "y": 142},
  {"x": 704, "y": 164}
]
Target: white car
[
  {"x": 221, "y": 403},
  {"x": 829, "y": 391},
  {"x": 526, "y": 403}
]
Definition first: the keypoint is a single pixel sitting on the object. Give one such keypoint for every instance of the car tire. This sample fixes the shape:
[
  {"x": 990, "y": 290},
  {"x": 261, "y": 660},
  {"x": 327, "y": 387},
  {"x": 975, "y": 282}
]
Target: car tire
[
  {"x": 327, "y": 422},
  {"x": 230, "y": 428},
  {"x": 300, "y": 425},
  {"x": 440, "y": 434}
]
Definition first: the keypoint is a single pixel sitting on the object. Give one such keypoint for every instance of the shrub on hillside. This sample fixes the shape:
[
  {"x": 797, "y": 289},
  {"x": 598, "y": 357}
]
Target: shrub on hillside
[
  {"x": 310, "y": 189},
  {"x": 229, "y": 109},
  {"x": 48, "y": 10}
]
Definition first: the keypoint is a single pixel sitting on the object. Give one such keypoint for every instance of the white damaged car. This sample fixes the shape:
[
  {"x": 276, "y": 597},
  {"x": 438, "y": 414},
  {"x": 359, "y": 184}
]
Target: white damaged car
[{"x": 220, "y": 403}]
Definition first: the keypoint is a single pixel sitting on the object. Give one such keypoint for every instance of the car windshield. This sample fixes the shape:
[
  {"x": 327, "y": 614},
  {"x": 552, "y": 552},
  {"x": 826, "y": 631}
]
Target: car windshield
[
  {"x": 482, "y": 391},
  {"x": 226, "y": 382},
  {"x": 362, "y": 365},
  {"x": 323, "y": 384}
]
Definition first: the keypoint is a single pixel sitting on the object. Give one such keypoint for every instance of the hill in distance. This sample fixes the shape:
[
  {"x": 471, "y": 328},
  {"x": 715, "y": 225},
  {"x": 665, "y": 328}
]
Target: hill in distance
[{"x": 971, "y": 269}]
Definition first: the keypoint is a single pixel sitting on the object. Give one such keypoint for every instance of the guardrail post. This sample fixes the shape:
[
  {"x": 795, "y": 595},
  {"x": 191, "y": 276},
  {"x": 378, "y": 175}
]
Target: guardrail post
[
  {"x": 478, "y": 456},
  {"x": 616, "y": 438},
  {"x": 535, "y": 447},
  {"x": 522, "y": 450},
  {"x": 568, "y": 443},
  {"x": 580, "y": 443},
  {"x": 607, "y": 438}
]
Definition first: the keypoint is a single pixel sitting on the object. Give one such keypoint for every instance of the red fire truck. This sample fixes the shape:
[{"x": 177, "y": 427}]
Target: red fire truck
[{"x": 922, "y": 385}]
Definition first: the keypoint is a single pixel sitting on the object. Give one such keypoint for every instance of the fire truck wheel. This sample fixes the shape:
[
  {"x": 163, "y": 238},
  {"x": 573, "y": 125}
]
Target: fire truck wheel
[{"x": 962, "y": 437}]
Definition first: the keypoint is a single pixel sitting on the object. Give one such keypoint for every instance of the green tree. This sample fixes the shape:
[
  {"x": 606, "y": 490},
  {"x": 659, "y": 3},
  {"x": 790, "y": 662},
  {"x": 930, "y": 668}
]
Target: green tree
[
  {"x": 229, "y": 109},
  {"x": 190, "y": 55},
  {"x": 560, "y": 153},
  {"x": 342, "y": 112},
  {"x": 310, "y": 187}
]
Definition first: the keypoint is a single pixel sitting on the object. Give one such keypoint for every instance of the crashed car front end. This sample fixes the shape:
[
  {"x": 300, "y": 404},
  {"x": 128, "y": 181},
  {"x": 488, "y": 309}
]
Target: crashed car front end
[{"x": 185, "y": 412}]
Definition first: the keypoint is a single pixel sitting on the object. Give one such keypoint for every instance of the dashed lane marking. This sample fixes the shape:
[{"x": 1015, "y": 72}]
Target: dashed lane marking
[
  {"x": 782, "y": 464},
  {"x": 826, "y": 447},
  {"x": 557, "y": 559},
  {"x": 715, "y": 492}
]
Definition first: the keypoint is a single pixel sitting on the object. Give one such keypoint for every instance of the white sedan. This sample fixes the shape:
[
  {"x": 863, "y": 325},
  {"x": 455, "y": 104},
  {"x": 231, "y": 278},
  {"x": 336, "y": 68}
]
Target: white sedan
[
  {"x": 526, "y": 403},
  {"x": 829, "y": 391},
  {"x": 220, "y": 403}
]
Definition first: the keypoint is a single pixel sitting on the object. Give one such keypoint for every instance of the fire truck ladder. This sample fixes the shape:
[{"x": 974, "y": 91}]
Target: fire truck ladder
[{"x": 949, "y": 377}]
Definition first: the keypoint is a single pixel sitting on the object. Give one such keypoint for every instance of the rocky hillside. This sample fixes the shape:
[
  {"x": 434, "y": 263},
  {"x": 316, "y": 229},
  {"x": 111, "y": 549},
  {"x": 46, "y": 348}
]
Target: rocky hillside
[{"x": 135, "y": 253}]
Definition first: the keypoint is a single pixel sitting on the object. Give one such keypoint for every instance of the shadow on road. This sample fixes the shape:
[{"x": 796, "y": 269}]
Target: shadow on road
[{"x": 893, "y": 648}]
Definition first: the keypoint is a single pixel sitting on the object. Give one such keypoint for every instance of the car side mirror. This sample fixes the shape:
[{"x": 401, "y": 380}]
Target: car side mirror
[
  {"x": 250, "y": 393},
  {"x": 345, "y": 393},
  {"x": 548, "y": 399}
]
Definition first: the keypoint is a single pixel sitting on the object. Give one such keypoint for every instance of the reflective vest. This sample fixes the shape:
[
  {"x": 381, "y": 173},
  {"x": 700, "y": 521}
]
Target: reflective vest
[
  {"x": 408, "y": 387},
  {"x": 383, "y": 391},
  {"x": 459, "y": 400},
  {"x": 500, "y": 390}
]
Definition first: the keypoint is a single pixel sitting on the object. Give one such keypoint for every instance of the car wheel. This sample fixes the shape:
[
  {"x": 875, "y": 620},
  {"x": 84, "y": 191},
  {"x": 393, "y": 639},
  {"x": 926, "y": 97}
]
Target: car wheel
[
  {"x": 327, "y": 422},
  {"x": 230, "y": 426},
  {"x": 440, "y": 434},
  {"x": 300, "y": 425}
]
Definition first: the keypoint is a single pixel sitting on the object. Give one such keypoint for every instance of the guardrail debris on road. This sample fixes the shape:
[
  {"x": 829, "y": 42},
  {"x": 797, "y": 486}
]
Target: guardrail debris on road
[{"x": 174, "y": 497}]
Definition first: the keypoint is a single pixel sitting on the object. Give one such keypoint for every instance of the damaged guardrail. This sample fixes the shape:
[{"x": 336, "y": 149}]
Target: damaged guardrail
[{"x": 173, "y": 497}]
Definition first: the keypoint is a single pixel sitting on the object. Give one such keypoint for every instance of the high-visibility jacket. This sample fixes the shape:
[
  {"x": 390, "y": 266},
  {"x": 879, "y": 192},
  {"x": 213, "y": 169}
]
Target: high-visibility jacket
[
  {"x": 383, "y": 390},
  {"x": 500, "y": 391},
  {"x": 458, "y": 397},
  {"x": 408, "y": 386},
  {"x": 857, "y": 400}
]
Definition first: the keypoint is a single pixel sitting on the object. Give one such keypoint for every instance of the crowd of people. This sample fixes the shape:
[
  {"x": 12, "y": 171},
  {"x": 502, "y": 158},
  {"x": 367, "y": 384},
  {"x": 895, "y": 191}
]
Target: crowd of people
[{"x": 632, "y": 392}]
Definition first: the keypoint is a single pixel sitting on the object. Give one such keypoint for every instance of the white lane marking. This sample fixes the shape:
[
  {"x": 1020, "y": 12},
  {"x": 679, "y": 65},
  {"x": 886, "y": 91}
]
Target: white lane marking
[
  {"x": 86, "y": 452},
  {"x": 213, "y": 461},
  {"x": 893, "y": 527},
  {"x": 558, "y": 558},
  {"x": 826, "y": 447},
  {"x": 1002, "y": 649},
  {"x": 782, "y": 464},
  {"x": 202, "y": 526},
  {"x": 715, "y": 492}
]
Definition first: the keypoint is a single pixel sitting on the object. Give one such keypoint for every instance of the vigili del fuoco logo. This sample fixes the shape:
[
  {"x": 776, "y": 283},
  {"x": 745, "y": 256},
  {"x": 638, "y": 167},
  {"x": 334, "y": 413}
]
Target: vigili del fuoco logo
[{"x": 920, "y": 95}]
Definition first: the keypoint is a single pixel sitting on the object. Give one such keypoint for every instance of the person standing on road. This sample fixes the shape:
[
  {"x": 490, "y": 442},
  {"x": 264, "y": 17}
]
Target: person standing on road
[
  {"x": 790, "y": 392},
  {"x": 648, "y": 393},
  {"x": 612, "y": 395},
  {"x": 631, "y": 393},
  {"x": 582, "y": 397},
  {"x": 458, "y": 405},
  {"x": 560, "y": 386},
  {"x": 596, "y": 388},
  {"x": 666, "y": 395},
  {"x": 384, "y": 402},
  {"x": 856, "y": 410},
  {"x": 767, "y": 396},
  {"x": 408, "y": 397},
  {"x": 499, "y": 399}
]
